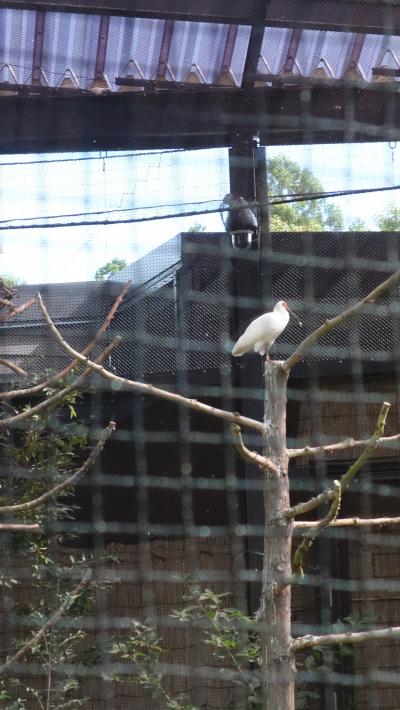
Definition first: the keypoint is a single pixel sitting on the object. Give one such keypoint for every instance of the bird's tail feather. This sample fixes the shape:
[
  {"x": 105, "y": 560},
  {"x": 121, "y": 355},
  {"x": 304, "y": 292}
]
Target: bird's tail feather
[{"x": 240, "y": 348}]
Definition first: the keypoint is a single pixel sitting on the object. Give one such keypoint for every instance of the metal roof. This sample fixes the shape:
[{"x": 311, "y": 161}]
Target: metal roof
[
  {"x": 97, "y": 53},
  {"x": 144, "y": 74}
]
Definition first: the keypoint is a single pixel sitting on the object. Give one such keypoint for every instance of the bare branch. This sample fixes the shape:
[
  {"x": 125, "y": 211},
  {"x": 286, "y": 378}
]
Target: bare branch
[
  {"x": 329, "y": 325},
  {"x": 68, "y": 481},
  {"x": 62, "y": 609},
  {"x": 309, "y": 537},
  {"x": 261, "y": 461},
  {"x": 11, "y": 394},
  {"x": 308, "y": 505},
  {"x": 340, "y": 445},
  {"x": 369, "y": 449},
  {"x": 309, "y": 641},
  {"x": 17, "y": 310},
  {"x": 12, "y": 366},
  {"x": 7, "y": 303},
  {"x": 20, "y": 527},
  {"x": 327, "y": 495},
  {"x": 58, "y": 396},
  {"x": 106, "y": 324},
  {"x": 149, "y": 389},
  {"x": 355, "y": 522}
]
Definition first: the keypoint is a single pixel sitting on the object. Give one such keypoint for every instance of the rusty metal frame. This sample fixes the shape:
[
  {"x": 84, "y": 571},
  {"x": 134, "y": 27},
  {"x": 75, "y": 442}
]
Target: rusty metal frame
[{"x": 341, "y": 15}]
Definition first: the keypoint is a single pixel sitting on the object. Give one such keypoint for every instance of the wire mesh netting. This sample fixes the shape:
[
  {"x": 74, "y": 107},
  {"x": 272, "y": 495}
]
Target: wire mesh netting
[{"x": 165, "y": 180}]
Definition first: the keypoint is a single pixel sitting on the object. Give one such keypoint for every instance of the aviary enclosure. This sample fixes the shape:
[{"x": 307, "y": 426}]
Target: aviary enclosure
[{"x": 182, "y": 529}]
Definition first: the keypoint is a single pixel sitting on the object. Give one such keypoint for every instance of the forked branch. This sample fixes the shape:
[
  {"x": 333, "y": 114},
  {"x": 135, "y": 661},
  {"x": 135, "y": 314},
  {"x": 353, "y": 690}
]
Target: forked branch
[
  {"x": 29, "y": 391},
  {"x": 149, "y": 389},
  {"x": 308, "y": 539},
  {"x": 261, "y": 461},
  {"x": 16, "y": 310},
  {"x": 347, "y": 477},
  {"x": 58, "y": 396}
]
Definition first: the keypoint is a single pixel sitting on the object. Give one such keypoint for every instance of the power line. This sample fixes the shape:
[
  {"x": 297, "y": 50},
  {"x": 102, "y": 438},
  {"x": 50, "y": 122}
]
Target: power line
[
  {"x": 90, "y": 157},
  {"x": 195, "y": 213},
  {"x": 117, "y": 209}
]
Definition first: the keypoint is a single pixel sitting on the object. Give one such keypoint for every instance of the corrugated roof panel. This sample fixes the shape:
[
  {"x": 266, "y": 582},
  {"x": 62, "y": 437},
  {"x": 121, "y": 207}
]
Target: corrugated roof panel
[
  {"x": 17, "y": 29},
  {"x": 274, "y": 49},
  {"x": 133, "y": 48},
  {"x": 330, "y": 47},
  {"x": 133, "y": 40},
  {"x": 380, "y": 51},
  {"x": 372, "y": 53},
  {"x": 197, "y": 43},
  {"x": 239, "y": 52},
  {"x": 331, "y": 50},
  {"x": 70, "y": 42}
]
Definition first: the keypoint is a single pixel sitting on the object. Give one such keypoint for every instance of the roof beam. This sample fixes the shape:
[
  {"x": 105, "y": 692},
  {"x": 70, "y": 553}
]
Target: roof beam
[
  {"x": 342, "y": 15},
  {"x": 141, "y": 120},
  {"x": 38, "y": 48},
  {"x": 234, "y": 12},
  {"x": 165, "y": 50},
  {"x": 254, "y": 46}
]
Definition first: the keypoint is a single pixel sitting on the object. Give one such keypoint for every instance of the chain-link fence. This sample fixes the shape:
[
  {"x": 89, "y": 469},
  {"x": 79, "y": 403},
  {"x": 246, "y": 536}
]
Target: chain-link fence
[{"x": 166, "y": 179}]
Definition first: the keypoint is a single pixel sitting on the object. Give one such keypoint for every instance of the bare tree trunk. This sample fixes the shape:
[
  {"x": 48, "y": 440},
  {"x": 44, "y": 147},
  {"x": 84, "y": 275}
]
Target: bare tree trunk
[{"x": 275, "y": 609}]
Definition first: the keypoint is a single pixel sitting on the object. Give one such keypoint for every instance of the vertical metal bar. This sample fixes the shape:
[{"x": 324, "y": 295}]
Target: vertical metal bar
[
  {"x": 248, "y": 372},
  {"x": 229, "y": 47},
  {"x": 165, "y": 49},
  {"x": 253, "y": 56},
  {"x": 102, "y": 45},
  {"x": 292, "y": 51},
  {"x": 264, "y": 237},
  {"x": 37, "y": 55},
  {"x": 355, "y": 53},
  {"x": 255, "y": 44}
]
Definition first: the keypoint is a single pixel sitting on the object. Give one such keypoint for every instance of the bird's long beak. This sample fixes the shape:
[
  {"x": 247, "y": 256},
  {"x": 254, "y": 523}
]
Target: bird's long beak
[{"x": 296, "y": 317}]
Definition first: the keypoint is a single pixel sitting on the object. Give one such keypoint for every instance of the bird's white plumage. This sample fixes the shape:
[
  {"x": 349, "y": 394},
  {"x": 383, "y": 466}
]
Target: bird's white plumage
[{"x": 262, "y": 332}]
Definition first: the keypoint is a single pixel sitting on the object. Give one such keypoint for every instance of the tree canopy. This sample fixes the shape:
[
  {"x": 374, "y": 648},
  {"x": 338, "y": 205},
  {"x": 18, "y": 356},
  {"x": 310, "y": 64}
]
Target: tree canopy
[
  {"x": 389, "y": 221},
  {"x": 110, "y": 268},
  {"x": 285, "y": 177}
]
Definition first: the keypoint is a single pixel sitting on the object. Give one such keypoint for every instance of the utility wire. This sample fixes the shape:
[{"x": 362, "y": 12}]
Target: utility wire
[
  {"x": 91, "y": 157},
  {"x": 192, "y": 213}
]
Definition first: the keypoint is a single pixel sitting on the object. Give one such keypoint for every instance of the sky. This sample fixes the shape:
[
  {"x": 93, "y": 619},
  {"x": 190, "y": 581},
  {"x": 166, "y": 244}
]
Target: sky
[{"x": 147, "y": 185}]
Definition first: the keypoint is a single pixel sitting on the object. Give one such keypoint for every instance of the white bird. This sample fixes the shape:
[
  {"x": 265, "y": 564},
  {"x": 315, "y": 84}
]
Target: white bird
[{"x": 262, "y": 332}]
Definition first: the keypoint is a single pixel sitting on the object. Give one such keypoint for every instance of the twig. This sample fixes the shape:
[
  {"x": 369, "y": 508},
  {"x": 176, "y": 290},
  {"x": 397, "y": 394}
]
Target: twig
[
  {"x": 68, "y": 481},
  {"x": 309, "y": 537},
  {"x": 62, "y": 609},
  {"x": 340, "y": 445},
  {"x": 355, "y": 522},
  {"x": 14, "y": 367},
  {"x": 369, "y": 449},
  {"x": 27, "y": 392},
  {"x": 50, "y": 401},
  {"x": 106, "y": 324},
  {"x": 17, "y": 310},
  {"x": 309, "y": 641},
  {"x": 308, "y": 505},
  {"x": 327, "y": 495},
  {"x": 393, "y": 280},
  {"x": 7, "y": 303},
  {"x": 20, "y": 527},
  {"x": 149, "y": 389},
  {"x": 261, "y": 461}
]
